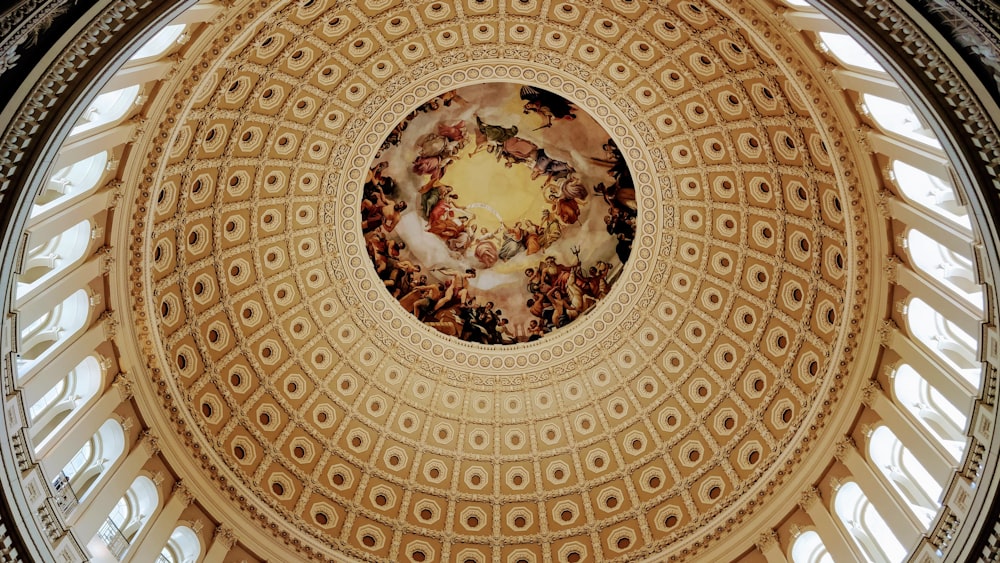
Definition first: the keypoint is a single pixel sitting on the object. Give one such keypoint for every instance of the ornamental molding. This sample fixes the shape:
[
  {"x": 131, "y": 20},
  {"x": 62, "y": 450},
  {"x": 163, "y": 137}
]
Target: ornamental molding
[
  {"x": 808, "y": 498},
  {"x": 123, "y": 385},
  {"x": 149, "y": 440},
  {"x": 183, "y": 493},
  {"x": 23, "y": 24},
  {"x": 870, "y": 393},
  {"x": 225, "y": 536},
  {"x": 767, "y": 540},
  {"x": 845, "y": 448},
  {"x": 19, "y": 137},
  {"x": 978, "y": 138}
]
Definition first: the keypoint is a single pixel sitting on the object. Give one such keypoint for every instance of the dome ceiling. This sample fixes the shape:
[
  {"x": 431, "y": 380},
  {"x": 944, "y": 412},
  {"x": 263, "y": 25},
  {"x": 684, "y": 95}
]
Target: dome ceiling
[{"x": 309, "y": 393}]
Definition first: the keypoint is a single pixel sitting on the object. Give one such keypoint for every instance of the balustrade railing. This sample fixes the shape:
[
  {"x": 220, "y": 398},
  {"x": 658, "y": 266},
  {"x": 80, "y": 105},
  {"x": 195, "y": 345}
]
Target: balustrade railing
[
  {"x": 65, "y": 496},
  {"x": 113, "y": 538}
]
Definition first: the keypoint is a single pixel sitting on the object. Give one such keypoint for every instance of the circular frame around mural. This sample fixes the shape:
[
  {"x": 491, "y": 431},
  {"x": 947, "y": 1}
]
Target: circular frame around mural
[{"x": 498, "y": 212}]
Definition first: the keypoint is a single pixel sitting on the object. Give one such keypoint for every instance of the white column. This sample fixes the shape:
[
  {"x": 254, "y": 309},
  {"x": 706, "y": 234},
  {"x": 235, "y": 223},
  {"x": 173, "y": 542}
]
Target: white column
[
  {"x": 88, "y": 517},
  {"x": 931, "y": 161},
  {"x": 54, "y": 222},
  {"x": 222, "y": 541},
  {"x": 56, "y": 452},
  {"x": 934, "y": 457},
  {"x": 158, "y": 531},
  {"x": 86, "y": 144},
  {"x": 841, "y": 548},
  {"x": 947, "y": 235},
  {"x": 878, "y": 84},
  {"x": 130, "y": 75},
  {"x": 896, "y": 513},
  {"x": 41, "y": 376},
  {"x": 767, "y": 544},
  {"x": 951, "y": 307},
  {"x": 60, "y": 287}
]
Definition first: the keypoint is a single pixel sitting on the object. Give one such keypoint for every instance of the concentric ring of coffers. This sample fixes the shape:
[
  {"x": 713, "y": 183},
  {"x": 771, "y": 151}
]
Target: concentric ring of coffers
[{"x": 385, "y": 447}]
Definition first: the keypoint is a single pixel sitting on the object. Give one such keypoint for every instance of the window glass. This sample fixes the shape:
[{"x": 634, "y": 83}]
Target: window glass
[
  {"x": 106, "y": 108},
  {"x": 930, "y": 192},
  {"x": 809, "y": 548},
  {"x": 47, "y": 399},
  {"x": 119, "y": 513},
  {"x": 948, "y": 267},
  {"x": 944, "y": 338},
  {"x": 905, "y": 473},
  {"x": 60, "y": 323},
  {"x": 866, "y": 526},
  {"x": 80, "y": 460},
  {"x": 941, "y": 420},
  {"x": 848, "y": 51},
  {"x": 46, "y": 260},
  {"x": 159, "y": 43},
  {"x": 77, "y": 178},
  {"x": 183, "y": 546},
  {"x": 898, "y": 118}
]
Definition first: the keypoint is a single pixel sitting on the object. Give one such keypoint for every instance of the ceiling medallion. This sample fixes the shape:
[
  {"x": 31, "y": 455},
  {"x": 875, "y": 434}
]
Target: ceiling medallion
[{"x": 497, "y": 213}]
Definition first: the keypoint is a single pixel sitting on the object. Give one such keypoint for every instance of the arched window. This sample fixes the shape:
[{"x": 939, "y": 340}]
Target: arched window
[
  {"x": 80, "y": 460},
  {"x": 134, "y": 509},
  {"x": 53, "y": 256},
  {"x": 898, "y": 118},
  {"x": 942, "y": 420},
  {"x": 929, "y": 191},
  {"x": 97, "y": 455},
  {"x": 944, "y": 338},
  {"x": 905, "y": 472},
  {"x": 866, "y": 526},
  {"x": 75, "y": 179},
  {"x": 160, "y": 43},
  {"x": 106, "y": 108},
  {"x": 50, "y": 396},
  {"x": 182, "y": 547},
  {"x": 59, "y": 324},
  {"x": 948, "y": 267},
  {"x": 129, "y": 515},
  {"x": 808, "y": 548},
  {"x": 848, "y": 52},
  {"x": 64, "y": 400}
]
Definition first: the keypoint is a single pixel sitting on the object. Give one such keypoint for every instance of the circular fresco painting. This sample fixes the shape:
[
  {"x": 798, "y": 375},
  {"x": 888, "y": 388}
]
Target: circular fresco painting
[{"x": 498, "y": 213}]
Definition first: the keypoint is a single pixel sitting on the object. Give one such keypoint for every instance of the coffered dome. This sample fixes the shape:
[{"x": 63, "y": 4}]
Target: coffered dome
[
  {"x": 652, "y": 425},
  {"x": 504, "y": 280}
]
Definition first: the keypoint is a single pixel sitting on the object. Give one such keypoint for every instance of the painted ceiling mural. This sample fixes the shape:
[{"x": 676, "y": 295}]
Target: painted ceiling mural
[{"x": 498, "y": 213}]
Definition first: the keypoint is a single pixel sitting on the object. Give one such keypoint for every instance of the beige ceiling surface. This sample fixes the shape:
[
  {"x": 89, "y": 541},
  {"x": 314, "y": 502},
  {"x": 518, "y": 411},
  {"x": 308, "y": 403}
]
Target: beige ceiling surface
[{"x": 654, "y": 425}]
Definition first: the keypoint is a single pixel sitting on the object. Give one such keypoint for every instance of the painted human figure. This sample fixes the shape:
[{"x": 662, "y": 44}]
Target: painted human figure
[
  {"x": 486, "y": 247},
  {"x": 551, "y": 228},
  {"x": 546, "y": 104},
  {"x": 513, "y": 242},
  {"x": 457, "y": 287},
  {"x": 533, "y": 237}
]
